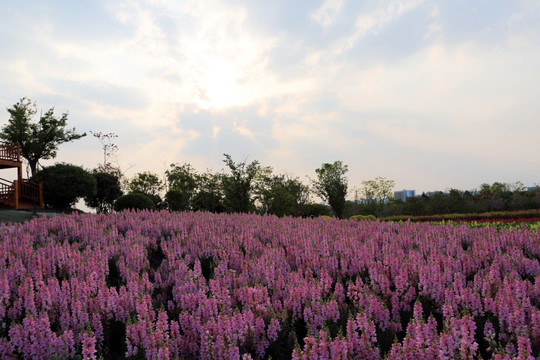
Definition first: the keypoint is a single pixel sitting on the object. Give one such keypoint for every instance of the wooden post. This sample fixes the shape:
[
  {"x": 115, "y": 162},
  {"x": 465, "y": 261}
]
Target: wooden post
[
  {"x": 16, "y": 194},
  {"x": 19, "y": 172},
  {"x": 41, "y": 201}
]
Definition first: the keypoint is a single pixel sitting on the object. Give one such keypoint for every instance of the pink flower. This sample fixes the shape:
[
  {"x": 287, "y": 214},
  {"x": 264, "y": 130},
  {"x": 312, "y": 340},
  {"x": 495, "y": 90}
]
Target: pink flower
[{"x": 88, "y": 346}]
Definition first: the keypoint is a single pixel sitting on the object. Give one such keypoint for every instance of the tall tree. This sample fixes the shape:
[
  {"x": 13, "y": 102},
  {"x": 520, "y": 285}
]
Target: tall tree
[
  {"x": 238, "y": 186},
  {"x": 109, "y": 148},
  {"x": 38, "y": 140},
  {"x": 282, "y": 196},
  {"x": 377, "y": 192},
  {"x": 182, "y": 182},
  {"x": 331, "y": 185},
  {"x": 149, "y": 184},
  {"x": 209, "y": 196},
  {"x": 108, "y": 189}
]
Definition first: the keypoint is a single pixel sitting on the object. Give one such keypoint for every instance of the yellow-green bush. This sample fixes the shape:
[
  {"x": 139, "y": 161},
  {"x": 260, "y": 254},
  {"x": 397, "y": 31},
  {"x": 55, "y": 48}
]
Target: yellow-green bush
[{"x": 364, "y": 217}]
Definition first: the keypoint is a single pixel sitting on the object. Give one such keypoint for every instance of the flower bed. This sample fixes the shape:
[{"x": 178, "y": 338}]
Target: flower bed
[{"x": 154, "y": 285}]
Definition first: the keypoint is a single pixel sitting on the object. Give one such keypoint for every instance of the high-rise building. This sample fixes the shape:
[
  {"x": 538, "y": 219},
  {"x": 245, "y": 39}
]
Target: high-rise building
[{"x": 404, "y": 194}]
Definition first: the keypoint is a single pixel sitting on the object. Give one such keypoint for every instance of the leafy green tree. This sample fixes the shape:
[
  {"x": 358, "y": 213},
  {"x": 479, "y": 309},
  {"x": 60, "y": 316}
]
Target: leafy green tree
[
  {"x": 459, "y": 202},
  {"x": 498, "y": 196},
  {"x": 108, "y": 189},
  {"x": 149, "y": 184},
  {"x": 38, "y": 140},
  {"x": 209, "y": 196},
  {"x": 64, "y": 184},
  {"x": 377, "y": 192},
  {"x": 134, "y": 201},
  {"x": 281, "y": 195},
  {"x": 331, "y": 185},
  {"x": 415, "y": 205},
  {"x": 311, "y": 209},
  {"x": 238, "y": 186},
  {"x": 182, "y": 181},
  {"x": 437, "y": 203}
]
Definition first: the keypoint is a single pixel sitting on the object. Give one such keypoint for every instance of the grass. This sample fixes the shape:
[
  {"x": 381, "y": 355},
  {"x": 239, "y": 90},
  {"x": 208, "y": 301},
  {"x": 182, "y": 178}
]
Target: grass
[
  {"x": 14, "y": 216},
  {"x": 21, "y": 216}
]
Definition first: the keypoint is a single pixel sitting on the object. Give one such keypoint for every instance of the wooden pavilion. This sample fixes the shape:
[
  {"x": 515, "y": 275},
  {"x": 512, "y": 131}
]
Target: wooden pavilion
[{"x": 20, "y": 193}]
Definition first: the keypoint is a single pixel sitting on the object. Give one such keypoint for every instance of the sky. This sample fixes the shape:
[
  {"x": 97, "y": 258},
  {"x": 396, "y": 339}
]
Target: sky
[{"x": 432, "y": 94}]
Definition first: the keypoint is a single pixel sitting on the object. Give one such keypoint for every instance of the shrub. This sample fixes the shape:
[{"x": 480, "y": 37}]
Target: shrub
[
  {"x": 134, "y": 201},
  {"x": 364, "y": 217},
  {"x": 108, "y": 189},
  {"x": 176, "y": 200},
  {"x": 314, "y": 209},
  {"x": 64, "y": 184}
]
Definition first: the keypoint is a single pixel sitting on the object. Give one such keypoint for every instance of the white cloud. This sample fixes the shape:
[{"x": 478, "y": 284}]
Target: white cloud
[
  {"x": 372, "y": 22},
  {"x": 375, "y": 81},
  {"x": 326, "y": 14}
]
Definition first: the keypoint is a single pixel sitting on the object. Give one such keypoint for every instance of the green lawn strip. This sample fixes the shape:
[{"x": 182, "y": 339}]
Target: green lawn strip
[{"x": 14, "y": 216}]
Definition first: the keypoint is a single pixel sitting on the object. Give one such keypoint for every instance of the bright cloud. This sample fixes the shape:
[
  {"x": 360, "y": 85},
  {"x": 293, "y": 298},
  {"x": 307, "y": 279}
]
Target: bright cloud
[
  {"x": 412, "y": 90},
  {"x": 327, "y": 13}
]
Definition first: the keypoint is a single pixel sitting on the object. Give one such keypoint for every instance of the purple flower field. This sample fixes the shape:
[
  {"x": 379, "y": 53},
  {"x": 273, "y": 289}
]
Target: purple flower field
[{"x": 156, "y": 285}]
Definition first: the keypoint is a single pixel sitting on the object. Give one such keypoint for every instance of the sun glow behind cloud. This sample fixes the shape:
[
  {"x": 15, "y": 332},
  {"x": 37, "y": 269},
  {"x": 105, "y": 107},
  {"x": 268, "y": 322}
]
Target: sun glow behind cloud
[
  {"x": 291, "y": 85},
  {"x": 204, "y": 53}
]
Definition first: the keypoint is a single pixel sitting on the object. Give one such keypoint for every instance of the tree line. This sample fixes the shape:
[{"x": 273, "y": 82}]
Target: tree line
[
  {"x": 241, "y": 187},
  {"x": 489, "y": 197}
]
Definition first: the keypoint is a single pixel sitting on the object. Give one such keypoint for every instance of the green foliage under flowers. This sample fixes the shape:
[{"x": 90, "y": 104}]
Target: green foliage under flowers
[{"x": 134, "y": 201}]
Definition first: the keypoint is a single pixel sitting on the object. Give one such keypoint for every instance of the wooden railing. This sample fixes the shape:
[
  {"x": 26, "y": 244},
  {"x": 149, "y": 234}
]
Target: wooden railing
[
  {"x": 10, "y": 151},
  {"x": 7, "y": 191},
  {"x": 31, "y": 191},
  {"x": 11, "y": 193}
]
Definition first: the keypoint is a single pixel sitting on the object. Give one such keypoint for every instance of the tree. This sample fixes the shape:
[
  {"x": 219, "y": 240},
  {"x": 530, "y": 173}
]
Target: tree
[
  {"x": 38, "y": 140},
  {"x": 134, "y": 201},
  {"x": 238, "y": 185},
  {"x": 281, "y": 195},
  {"x": 109, "y": 148},
  {"x": 209, "y": 196},
  {"x": 64, "y": 184},
  {"x": 437, "y": 203},
  {"x": 331, "y": 185},
  {"x": 498, "y": 195},
  {"x": 108, "y": 189},
  {"x": 377, "y": 192},
  {"x": 182, "y": 181},
  {"x": 415, "y": 205},
  {"x": 149, "y": 184}
]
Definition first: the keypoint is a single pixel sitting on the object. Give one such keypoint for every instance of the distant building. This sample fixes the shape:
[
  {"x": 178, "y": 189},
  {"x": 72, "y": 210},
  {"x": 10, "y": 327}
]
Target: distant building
[{"x": 404, "y": 194}]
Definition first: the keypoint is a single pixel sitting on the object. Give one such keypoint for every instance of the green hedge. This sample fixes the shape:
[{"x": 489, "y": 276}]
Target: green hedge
[
  {"x": 495, "y": 215},
  {"x": 364, "y": 217},
  {"x": 134, "y": 201}
]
